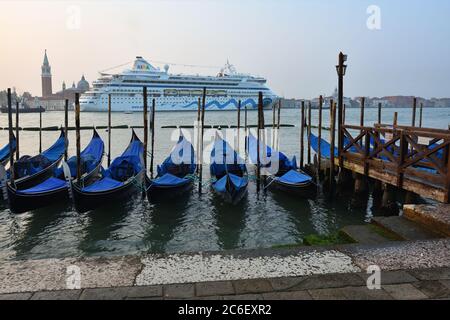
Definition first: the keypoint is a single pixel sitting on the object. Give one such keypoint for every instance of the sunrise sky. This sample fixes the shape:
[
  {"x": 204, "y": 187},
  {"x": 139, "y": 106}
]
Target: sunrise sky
[{"x": 294, "y": 44}]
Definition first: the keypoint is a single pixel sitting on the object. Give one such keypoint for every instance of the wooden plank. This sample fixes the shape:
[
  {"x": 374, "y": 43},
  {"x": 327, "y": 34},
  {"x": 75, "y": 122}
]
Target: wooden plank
[{"x": 438, "y": 194}]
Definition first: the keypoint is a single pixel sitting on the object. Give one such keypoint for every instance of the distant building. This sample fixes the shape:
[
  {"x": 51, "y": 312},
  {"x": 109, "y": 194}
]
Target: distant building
[{"x": 56, "y": 101}]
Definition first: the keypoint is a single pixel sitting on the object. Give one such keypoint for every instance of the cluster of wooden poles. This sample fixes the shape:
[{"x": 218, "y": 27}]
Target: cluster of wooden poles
[{"x": 305, "y": 125}]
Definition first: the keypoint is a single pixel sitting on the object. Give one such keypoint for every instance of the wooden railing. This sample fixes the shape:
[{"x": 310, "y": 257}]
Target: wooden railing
[{"x": 415, "y": 159}]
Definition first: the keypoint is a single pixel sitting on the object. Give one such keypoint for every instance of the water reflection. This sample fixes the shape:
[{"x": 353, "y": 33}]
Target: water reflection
[
  {"x": 103, "y": 224},
  {"x": 230, "y": 221},
  {"x": 162, "y": 221},
  {"x": 38, "y": 225}
]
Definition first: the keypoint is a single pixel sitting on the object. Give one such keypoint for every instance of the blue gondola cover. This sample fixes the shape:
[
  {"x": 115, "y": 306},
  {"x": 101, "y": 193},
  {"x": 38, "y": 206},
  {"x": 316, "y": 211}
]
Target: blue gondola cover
[
  {"x": 170, "y": 180},
  {"x": 284, "y": 164},
  {"x": 4, "y": 152},
  {"x": 294, "y": 177},
  {"x": 181, "y": 160},
  {"x": 103, "y": 185},
  {"x": 48, "y": 185},
  {"x": 129, "y": 164},
  {"x": 237, "y": 182}
]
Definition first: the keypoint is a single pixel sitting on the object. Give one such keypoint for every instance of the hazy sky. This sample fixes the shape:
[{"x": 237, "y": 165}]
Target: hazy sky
[{"x": 294, "y": 44}]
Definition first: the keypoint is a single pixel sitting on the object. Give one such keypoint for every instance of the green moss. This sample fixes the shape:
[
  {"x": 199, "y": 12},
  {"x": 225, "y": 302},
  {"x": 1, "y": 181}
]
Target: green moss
[
  {"x": 324, "y": 240},
  {"x": 316, "y": 240},
  {"x": 383, "y": 232},
  {"x": 287, "y": 246}
]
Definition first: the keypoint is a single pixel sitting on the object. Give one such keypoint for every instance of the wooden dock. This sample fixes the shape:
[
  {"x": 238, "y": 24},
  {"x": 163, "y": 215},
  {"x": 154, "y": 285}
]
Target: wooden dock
[{"x": 411, "y": 158}]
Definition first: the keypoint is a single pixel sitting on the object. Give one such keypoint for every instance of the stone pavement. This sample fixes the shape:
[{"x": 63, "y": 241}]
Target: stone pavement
[
  {"x": 410, "y": 269},
  {"x": 412, "y": 284}
]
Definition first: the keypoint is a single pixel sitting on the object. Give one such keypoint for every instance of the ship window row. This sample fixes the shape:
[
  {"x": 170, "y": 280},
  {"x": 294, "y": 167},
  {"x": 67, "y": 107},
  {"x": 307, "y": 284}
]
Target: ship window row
[{"x": 183, "y": 82}]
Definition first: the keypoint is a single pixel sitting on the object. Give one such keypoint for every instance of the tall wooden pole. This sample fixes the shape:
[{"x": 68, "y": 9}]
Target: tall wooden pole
[
  {"x": 274, "y": 109},
  {"x": 144, "y": 89},
  {"x": 344, "y": 110},
  {"x": 258, "y": 160},
  {"x": 152, "y": 128},
  {"x": 199, "y": 104},
  {"x": 379, "y": 113},
  {"x": 319, "y": 151},
  {"x": 414, "y": 112},
  {"x": 201, "y": 140},
  {"x": 66, "y": 124},
  {"x": 395, "y": 119},
  {"x": 77, "y": 126},
  {"x": 11, "y": 138},
  {"x": 361, "y": 117},
  {"x": 302, "y": 135},
  {"x": 420, "y": 114},
  {"x": 40, "y": 129},
  {"x": 238, "y": 125},
  {"x": 332, "y": 143},
  {"x": 17, "y": 131},
  {"x": 309, "y": 133},
  {"x": 109, "y": 129},
  {"x": 278, "y": 126},
  {"x": 246, "y": 133}
]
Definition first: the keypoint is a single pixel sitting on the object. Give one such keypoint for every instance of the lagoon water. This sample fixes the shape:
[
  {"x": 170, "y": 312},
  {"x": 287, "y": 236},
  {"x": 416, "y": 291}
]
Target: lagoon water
[{"x": 193, "y": 223}]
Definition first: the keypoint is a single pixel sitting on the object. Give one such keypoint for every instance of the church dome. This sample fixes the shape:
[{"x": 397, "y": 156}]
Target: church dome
[{"x": 83, "y": 84}]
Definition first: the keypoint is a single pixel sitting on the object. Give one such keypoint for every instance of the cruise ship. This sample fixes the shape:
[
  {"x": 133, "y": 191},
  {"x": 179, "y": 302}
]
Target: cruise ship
[{"x": 175, "y": 92}]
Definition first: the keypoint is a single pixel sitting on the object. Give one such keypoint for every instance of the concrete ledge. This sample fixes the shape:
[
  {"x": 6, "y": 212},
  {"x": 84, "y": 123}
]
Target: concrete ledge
[{"x": 433, "y": 217}]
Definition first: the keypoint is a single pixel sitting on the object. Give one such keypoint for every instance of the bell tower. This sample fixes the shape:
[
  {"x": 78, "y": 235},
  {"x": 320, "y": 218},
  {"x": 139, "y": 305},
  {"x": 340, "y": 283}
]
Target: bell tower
[{"x": 46, "y": 76}]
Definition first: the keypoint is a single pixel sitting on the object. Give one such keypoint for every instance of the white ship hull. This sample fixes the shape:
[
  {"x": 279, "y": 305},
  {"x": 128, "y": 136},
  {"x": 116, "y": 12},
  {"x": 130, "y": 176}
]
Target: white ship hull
[
  {"x": 174, "y": 92},
  {"x": 192, "y": 105}
]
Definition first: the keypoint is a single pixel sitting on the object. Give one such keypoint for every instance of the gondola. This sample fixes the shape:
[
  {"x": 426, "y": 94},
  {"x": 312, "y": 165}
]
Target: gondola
[
  {"x": 30, "y": 171},
  {"x": 4, "y": 152},
  {"x": 228, "y": 172},
  {"x": 123, "y": 178},
  {"x": 283, "y": 173},
  {"x": 55, "y": 188},
  {"x": 175, "y": 175}
]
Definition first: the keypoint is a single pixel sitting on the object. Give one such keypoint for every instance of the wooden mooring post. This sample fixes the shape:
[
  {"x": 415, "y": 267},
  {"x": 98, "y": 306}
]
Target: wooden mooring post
[
  {"x": 11, "y": 137},
  {"x": 109, "y": 129},
  {"x": 246, "y": 133},
  {"x": 66, "y": 124},
  {"x": 145, "y": 114},
  {"x": 77, "y": 127},
  {"x": 309, "y": 133},
  {"x": 278, "y": 126},
  {"x": 344, "y": 109},
  {"x": 420, "y": 115},
  {"x": 332, "y": 144},
  {"x": 202, "y": 126},
  {"x": 152, "y": 144},
  {"x": 319, "y": 151},
  {"x": 258, "y": 143},
  {"x": 40, "y": 130},
  {"x": 361, "y": 116},
  {"x": 302, "y": 135},
  {"x": 197, "y": 143},
  {"x": 379, "y": 113},
  {"x": 274, "y": 109},
  {"x": 17, "y": 131},
  {"x": 414, "y": 112},
  {"x": 238, "y": 126}
]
